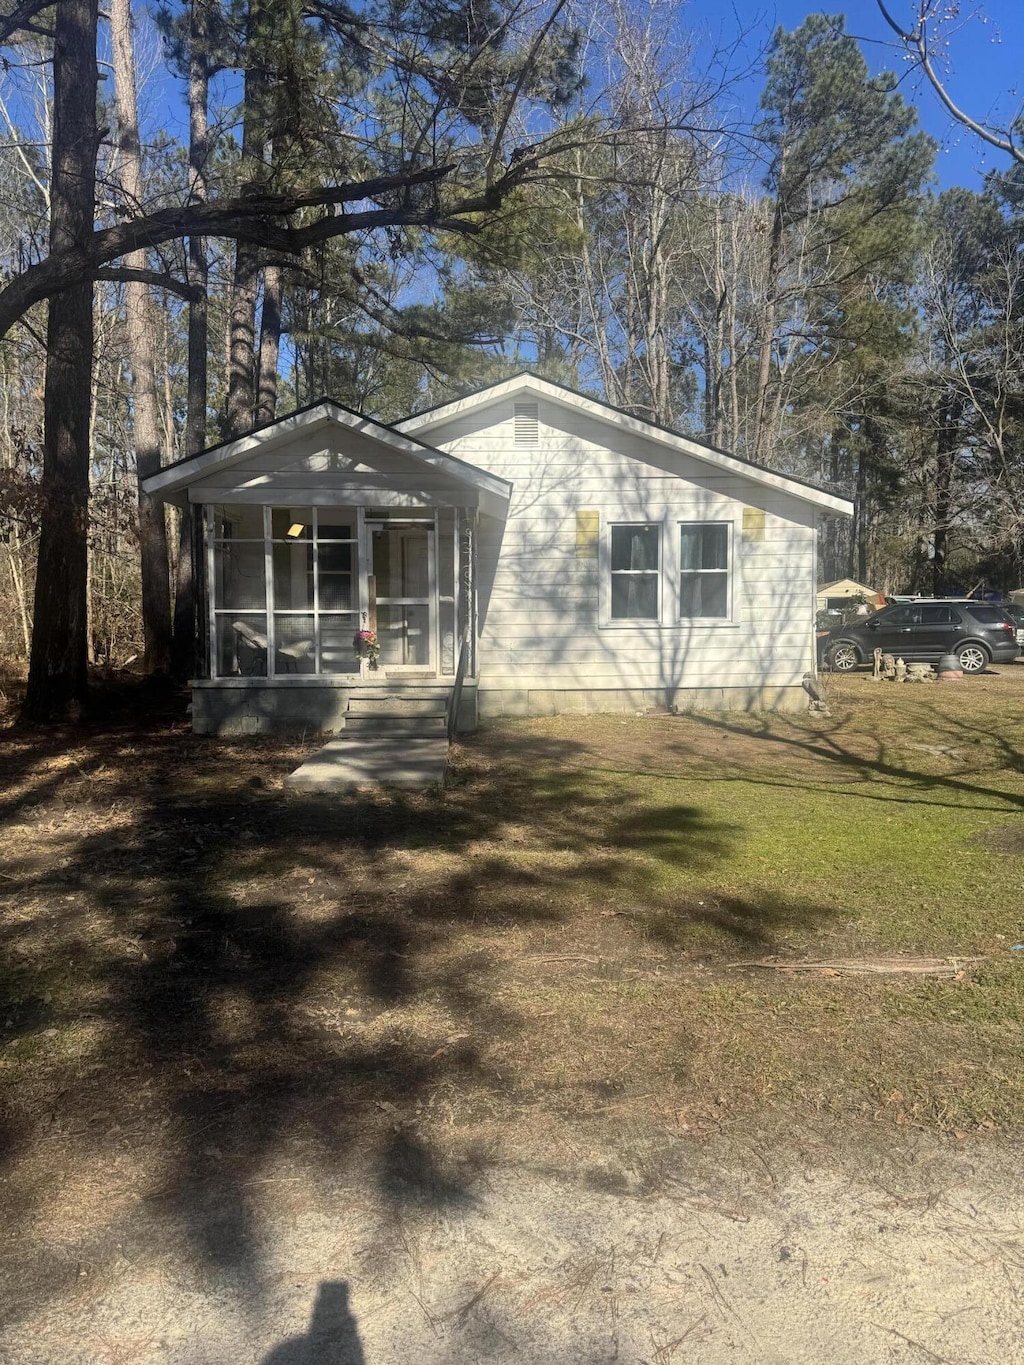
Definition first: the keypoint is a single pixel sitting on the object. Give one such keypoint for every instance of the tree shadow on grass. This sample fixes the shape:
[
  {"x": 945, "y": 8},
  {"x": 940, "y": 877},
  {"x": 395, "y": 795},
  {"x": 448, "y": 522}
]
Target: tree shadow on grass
[
  {"x": 242, "y": 979},
  {"x": 861, "y": 756}
]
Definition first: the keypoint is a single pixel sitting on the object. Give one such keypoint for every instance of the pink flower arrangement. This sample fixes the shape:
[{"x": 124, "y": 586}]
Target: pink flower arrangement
[{"x": 367, "y": 646}]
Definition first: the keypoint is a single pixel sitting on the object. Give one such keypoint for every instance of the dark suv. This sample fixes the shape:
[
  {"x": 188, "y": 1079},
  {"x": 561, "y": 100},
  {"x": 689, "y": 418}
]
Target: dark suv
[{"x": 976, "y": 632}]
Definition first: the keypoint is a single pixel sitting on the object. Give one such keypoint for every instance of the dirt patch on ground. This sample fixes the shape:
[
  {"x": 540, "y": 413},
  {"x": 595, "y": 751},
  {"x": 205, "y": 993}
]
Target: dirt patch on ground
[
  {"x": 1009, "y": 839},
  {"x": 919, "y": 1258}
]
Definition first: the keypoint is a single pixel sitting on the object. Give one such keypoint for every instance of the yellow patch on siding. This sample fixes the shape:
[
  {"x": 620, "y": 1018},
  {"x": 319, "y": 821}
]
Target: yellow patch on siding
[
  {"x": 753, "y": 523},
  {"x": 588, "y": 531}
]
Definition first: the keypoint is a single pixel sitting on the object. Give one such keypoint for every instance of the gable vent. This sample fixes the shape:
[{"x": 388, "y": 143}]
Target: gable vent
[{"x": 526, "y": 424}]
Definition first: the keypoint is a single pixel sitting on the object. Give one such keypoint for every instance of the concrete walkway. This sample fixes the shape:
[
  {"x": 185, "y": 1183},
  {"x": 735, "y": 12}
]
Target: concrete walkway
[{"x": 356, "y": 761}]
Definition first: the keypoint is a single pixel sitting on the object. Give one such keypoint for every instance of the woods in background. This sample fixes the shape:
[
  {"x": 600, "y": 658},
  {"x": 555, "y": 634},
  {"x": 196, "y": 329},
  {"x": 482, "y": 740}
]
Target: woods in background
[{"x": 273, "y": 200}]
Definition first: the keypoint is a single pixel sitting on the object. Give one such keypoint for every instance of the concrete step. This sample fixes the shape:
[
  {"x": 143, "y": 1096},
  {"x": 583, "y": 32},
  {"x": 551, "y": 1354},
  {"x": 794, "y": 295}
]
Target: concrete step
[
  {"x": 355, "y": 762},
  {"x": 388, "y": 705},
  {"x": 397, "y": 689},
  {"x": 395, "y": 725}
]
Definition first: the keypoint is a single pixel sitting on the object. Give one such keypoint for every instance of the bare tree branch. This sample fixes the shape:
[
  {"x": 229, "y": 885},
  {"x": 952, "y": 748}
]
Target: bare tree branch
[
  {"x": 20, "y": 20},
  {"x": 123, "y": 274},
  {"x": 917, "y": 41}
]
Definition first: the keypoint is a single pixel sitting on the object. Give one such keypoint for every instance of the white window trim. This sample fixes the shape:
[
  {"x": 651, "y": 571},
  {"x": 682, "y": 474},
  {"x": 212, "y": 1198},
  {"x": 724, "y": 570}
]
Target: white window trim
[
  {"x": 669, "y": 588},
  {"x": 605, "y": 619},
  {"x": 705, "y": 622}
]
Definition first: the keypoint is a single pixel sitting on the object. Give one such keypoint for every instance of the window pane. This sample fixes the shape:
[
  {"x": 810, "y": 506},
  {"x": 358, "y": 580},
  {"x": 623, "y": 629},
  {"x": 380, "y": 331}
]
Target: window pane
[
  {"x": 293, "y": 643},
  {"x": 240, "y": 580},
  {"x": 236, "y": 523},
  {"x": 329, "y": 526},
  {"x": 337, "y": 652},
  {"x": 241, "y": 645},
  {"x": 988, "y": 616},
  {"x": 634, "y": 597},
  {"x": 689, "y": 547},
  {"x": 715, "y": 543},
  {"x": 415, "y": 574},
  {"x": 336, "y": 592},
  {"x": 634, "y": 547},
  {"x": 291, "y": 523},
  {"x": 705, "y": 595},
  {"x": 293, "y": 576},
  {"x": 336, "y": 577},
  {"x": 704, "y": 547}
]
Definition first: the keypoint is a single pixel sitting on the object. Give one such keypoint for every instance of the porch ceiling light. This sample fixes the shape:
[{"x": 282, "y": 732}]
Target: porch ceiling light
[{"x": 295, "y": 530}]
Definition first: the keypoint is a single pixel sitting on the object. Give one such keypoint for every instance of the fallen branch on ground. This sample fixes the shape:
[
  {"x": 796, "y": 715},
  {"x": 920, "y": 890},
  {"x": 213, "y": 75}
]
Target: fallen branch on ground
[{"x": 877, "y": 966}]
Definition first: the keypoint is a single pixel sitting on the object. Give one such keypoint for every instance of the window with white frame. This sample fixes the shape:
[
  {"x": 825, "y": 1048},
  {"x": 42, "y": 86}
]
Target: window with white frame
[
  {"x": 704, "y": 570},
  {"x": 635, "y": 566}
]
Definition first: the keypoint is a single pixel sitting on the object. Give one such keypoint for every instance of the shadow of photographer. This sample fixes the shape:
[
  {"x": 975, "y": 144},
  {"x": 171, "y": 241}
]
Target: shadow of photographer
[{"x": 332, "y": 1338}]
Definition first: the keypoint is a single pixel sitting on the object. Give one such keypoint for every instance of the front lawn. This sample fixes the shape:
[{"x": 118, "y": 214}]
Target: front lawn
[{"x": 208, "y": 980}]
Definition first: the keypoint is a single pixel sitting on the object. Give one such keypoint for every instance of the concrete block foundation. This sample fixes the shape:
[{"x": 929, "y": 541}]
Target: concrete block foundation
[
  {"x": 493, "y": 703},
  {"x": 243, "y": 707}
]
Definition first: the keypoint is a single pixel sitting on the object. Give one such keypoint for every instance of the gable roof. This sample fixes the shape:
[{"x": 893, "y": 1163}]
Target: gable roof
[
  {"x": 174, "y": 478},
  {"x": 526, "y": 382},
  {"x": 847, "y": 585}
]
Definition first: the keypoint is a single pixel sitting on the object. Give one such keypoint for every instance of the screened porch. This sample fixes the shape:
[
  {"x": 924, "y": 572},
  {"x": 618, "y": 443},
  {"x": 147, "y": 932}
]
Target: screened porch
[{"x": 341, "y": 592}]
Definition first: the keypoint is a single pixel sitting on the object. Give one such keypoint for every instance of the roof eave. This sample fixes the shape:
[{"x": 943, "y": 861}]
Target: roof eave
[{"x": 169, "y": 483}]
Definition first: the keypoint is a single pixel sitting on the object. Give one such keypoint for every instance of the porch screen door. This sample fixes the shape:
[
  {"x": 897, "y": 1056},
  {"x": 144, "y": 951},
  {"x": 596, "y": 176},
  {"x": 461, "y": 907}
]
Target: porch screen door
[{"x": 403, "y": 570}]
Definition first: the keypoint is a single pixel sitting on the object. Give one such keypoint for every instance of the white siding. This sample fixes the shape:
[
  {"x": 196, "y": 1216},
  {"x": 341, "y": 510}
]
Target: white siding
[{"x": 543, "y": 612}]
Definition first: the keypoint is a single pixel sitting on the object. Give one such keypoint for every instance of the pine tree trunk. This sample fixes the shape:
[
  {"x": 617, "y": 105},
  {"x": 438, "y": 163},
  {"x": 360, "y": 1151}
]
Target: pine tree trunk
[
  {"x": 241, "y": 399},
  {"x": 942, "y": 505},
  {"x": 57, "y": 676},
  {"x": 187, "y": 580},
  {"x": 141, "y": 330},
  {"x": 270, "y": 344},
  {"x": 767, "y": 339},
  {"x": 859, "y": 536}
]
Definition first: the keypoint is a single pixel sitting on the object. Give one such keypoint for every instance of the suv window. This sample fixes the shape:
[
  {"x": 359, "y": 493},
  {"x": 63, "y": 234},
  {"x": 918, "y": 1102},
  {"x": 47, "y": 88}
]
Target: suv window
[
  {"x": 904, "y": 616},
  {"x": 938, "y": 616},
  {"x": 987, "y": 615}
]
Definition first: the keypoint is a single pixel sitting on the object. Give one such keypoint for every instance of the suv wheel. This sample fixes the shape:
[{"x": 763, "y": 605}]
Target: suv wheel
[
  {"x": 973, "y": 658},
  {"x": 845, "y": 657}
]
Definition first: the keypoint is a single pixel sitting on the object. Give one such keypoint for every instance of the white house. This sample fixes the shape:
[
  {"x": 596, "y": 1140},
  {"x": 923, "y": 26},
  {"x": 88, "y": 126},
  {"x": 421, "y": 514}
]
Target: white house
[{"x": 524, "y": 550}]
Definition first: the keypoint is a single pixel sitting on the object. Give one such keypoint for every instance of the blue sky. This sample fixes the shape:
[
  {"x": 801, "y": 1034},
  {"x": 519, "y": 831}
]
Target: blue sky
[
  {"x": 983, "y": 62},
  {"x": 983, "y": 65}
]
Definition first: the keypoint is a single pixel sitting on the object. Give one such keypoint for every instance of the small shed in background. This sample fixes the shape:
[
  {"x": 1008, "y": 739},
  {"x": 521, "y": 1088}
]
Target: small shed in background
[{"x": 842, "y": 594}]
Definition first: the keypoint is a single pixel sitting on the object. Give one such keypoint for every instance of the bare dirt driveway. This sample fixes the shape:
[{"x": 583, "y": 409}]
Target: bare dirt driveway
[{"x": 562, "y": 1063}]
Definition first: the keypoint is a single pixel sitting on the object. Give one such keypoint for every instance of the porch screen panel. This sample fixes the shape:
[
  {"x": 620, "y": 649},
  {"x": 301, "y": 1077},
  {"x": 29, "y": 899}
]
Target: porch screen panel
[
  {"x": 316, "y": 590},
  {"x": 337, "y": 589},
  {"x": 446, "y": 549},
  {"x": 336, "y": 565},
  {"x": 284, "y": 590},
  {"x": 293, "y": 558},
  {"x": 239, "y": 590}
]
